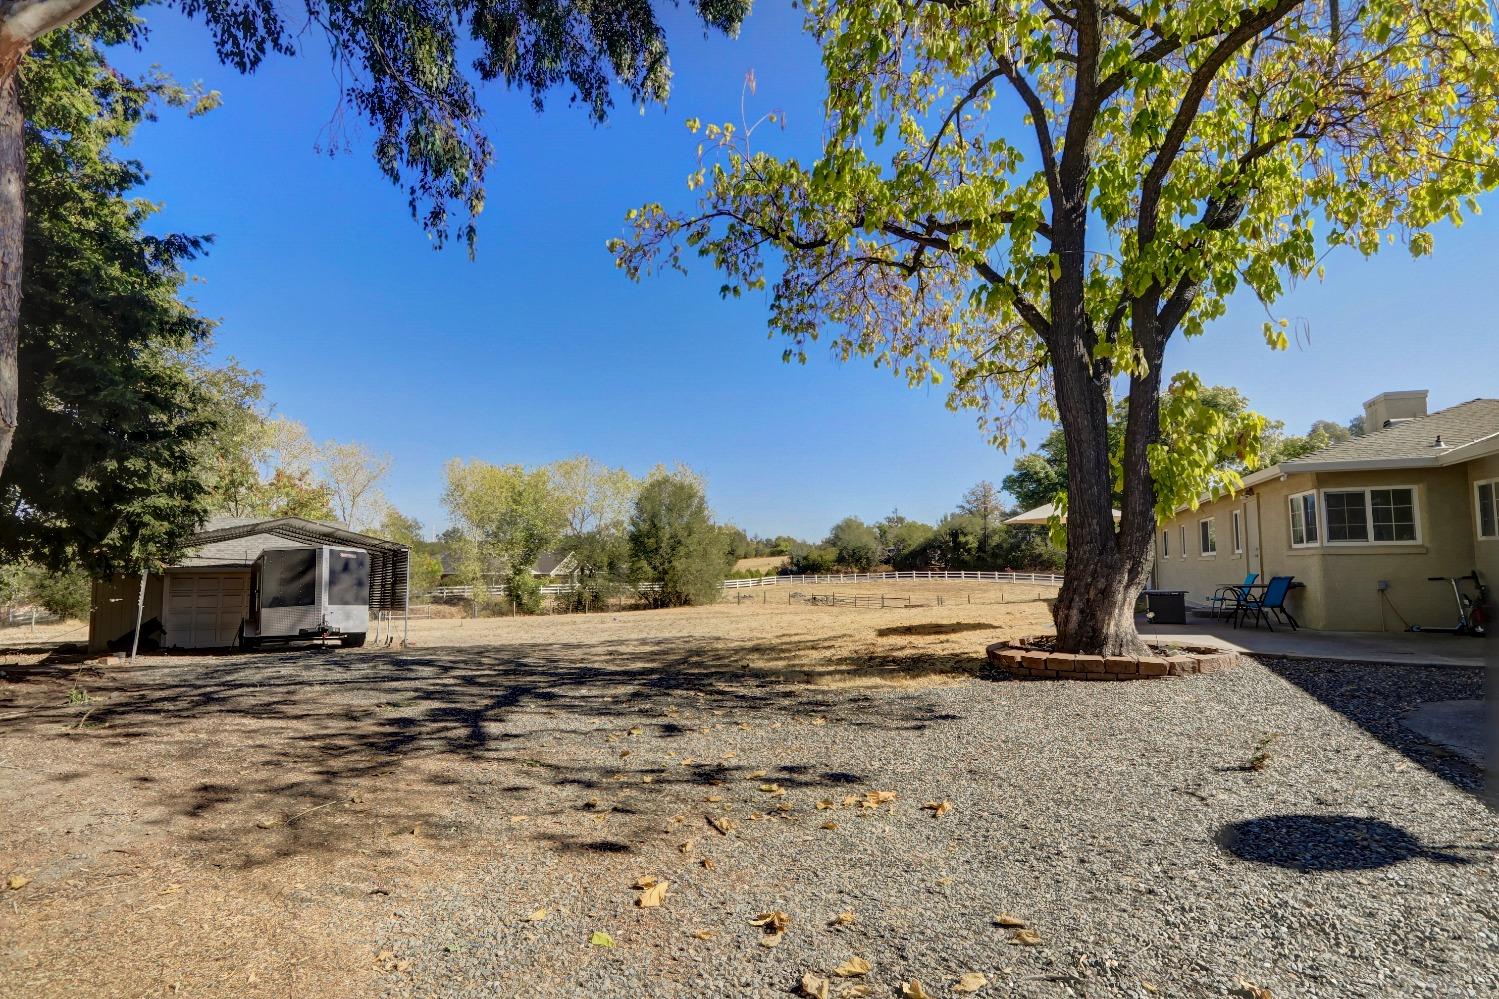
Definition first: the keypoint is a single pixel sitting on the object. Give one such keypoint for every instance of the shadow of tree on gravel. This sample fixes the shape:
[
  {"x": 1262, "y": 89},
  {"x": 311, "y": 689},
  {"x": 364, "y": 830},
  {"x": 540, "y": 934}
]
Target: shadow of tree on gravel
[
  {"x": 308, "y": 729},
  {"x": 1377, "y": 697},
  {"x": 1326, "y": 843}
]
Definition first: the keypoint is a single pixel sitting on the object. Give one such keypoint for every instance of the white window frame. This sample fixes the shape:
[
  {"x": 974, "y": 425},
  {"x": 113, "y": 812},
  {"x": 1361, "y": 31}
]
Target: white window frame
[
  {"x": 1212, "y": 535},
  {"x": 1368, "y": 492},
  {"x": 1237, "y": 518},
  {"x": 1182, "y": 537},
  {"x": 1493, "y": 485},
  {"x": 1295, "y": 501}
]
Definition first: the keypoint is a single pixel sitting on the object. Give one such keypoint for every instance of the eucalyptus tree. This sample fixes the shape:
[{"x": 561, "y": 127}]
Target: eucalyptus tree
[
  {"x": 1035, "y": 197},
  {"x": 410, "y": 70}
]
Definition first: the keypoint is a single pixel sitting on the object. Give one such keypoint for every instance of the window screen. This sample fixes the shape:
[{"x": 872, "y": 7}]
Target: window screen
[
  {"x": 289, "y": 578},
  {"x": 1394, "y": 512},
  {"x": 348, "y": 578},
  {"x": 1488, "y": 509}
]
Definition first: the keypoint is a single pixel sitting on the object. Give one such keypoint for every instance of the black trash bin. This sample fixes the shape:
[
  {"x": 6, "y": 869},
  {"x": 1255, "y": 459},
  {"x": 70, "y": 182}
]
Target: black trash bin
[{"x": 1166, "y": 606}]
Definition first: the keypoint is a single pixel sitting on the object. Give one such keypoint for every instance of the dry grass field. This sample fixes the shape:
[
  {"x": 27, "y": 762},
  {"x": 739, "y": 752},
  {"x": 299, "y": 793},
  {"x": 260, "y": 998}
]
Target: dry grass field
[{"x": 469, "y": 816}]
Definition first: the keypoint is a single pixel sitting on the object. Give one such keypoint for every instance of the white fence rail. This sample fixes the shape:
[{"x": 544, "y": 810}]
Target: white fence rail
[{"x": 1042, "y": 578}]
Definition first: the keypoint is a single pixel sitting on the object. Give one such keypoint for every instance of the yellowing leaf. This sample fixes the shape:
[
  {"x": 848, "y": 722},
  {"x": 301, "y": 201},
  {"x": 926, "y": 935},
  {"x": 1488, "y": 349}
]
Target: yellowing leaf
[
  {"x": 830, "y": 825},
  {"x": 825, "y": 804},
  {"x": 913, "y": 990},
  {"x": 852, "y": 968},
  {"x": 705, "y": 934},
  {"x": 722, "y": 823},
  {"x": 814, "y": 987},
  {"x": 535, "y": 916},
  {"x": 653, "y": 895},
  {"x": 774, "y": 921},
  {"x": 771, "y": 940},
  {"x": 1028, "y": 938},
  {"x": 601, "y": 939},
  {"x": 1009, "y": 922},
  {"x": 971, "y": 982},
  {"x": 635, "y": 730},
  {"x": 1249, "y": 990},
  {"x": 772, "y": 789},
  {"x": 17, "y": 881},
  {"x": 938, "y": 808},
  {"x": 845, "y": 918},
  {"x": 646, "y": 881},
  {"x": 715, "y": 798},
  {"x": 859, "y": 991},
  {"x": 755, "y": 774}
]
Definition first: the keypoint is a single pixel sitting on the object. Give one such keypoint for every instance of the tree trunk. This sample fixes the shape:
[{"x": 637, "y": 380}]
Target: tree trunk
[{"x": 12, "y": 241}]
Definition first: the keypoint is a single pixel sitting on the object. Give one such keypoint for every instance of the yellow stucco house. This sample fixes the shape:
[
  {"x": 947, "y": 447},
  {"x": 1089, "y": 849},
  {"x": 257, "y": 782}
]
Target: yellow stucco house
[{"x": 1362, "y": 524}]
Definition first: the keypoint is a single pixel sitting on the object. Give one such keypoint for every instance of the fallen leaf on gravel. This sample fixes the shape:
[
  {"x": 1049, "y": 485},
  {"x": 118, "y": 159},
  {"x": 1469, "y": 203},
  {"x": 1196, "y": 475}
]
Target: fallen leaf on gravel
[
  {"x": 687, "y": 846},
  {"x": 755, "y": 774},
  {"x": 706, "y": 934},
  {"x": 17, "y": 881},
  {"x": 772, "y": 789},
  {"x": 1249, "y": 990},
  {"x": 859, "y": 991},
  {"x": 845, "y": 918},
  {"x": 169, "y": 889},
  {"x": 601, "y": 939},
  {"x": 938, "y": 808},
  {"x": 707, "y": 863},
  {"x": 1149, "y": 987},
  {"x": 850, "y": 799},
  {"x": 635, "y": 730},
  {"x": 1030, "y": 938},
  {"x": 783, "y": 807},
  {"x": 814, "y": 987},
  {"x": 830, "y": 825},
  {"x": 722, "y": 823},
  {"x": 646, "y": 881},
  {"x": 535, "y": 917},
  {"x": 819, "y": 720},
  {"x": 945, "y": 881},
  {"x": 714, "y": 798},
  {"x": 852, "y": 968},
  {"x": 687, "y": 761},
  {"x": 267, "y": 823},
  {"x": 653, "y": 896},
  {"x": 1009, "y": 922},
  {"x": 745, "y": 726},
  {"x": 624, "y": 752},
  {"x": 971, "y": 982},
  {"x": 874, "y": 799},
  {"x": 913, "y": 990},
  {"x": 775, "y": 921},
  {"x": 647, "y": 780},
  {"x": 825, "y": 804},
  {"x": 771, "y": 939}
]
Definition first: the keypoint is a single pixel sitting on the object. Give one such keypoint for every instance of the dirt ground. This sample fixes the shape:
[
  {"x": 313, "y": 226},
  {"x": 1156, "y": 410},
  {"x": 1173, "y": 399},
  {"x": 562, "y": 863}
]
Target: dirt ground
[{"x": 200, "y": 825}]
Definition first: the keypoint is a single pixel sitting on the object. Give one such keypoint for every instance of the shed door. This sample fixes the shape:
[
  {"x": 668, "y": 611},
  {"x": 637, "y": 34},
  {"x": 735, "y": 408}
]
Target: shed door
[{"x": 204, "y": 610}]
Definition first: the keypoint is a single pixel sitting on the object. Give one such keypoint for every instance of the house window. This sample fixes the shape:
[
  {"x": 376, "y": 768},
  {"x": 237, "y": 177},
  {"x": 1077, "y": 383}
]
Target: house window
[
  {"x": 1362, "y": 516},
  {"x": 1207, "y": 536},
  {"x": 1303, "y": 520},
  {"x": 1488, "y": 509},
  {"x": 1165, "y": 544},
  {"x": 1347, "y": 518},
  {"x": 1238, "y": 523},
  {"x": 1183, "y": 536}
]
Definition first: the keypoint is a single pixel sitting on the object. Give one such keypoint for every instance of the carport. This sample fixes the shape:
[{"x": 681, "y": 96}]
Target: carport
[{"x": 202, "y": 599}]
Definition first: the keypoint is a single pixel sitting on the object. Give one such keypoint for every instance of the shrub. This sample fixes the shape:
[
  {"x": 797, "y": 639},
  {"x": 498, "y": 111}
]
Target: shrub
[{"x": 673, "y": 543}]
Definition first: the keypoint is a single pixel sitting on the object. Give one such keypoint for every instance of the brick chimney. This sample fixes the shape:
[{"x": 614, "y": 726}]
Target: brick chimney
[{"x": 1389, "y": 408}]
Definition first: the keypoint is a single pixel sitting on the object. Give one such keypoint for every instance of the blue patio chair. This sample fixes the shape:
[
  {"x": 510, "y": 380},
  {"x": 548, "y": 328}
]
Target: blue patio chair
[
  {"x": 1219, "y": 605},
  {"x": 1268, "y": 605}
]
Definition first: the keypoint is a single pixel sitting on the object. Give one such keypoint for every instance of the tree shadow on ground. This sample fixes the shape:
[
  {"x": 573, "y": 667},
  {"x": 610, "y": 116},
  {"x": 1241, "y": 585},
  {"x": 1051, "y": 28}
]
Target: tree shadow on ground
[
  {"x": 1323, "y": 843},
  {"x": 327, "y": 753},
  {"x": 1377, "y": 697}
]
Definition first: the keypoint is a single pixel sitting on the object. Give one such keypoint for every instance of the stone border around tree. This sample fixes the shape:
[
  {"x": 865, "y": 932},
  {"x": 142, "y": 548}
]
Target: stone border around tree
[{"x": 1022, "y": 658}]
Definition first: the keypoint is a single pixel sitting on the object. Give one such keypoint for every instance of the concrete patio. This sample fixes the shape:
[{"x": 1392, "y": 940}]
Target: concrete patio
[{"x": 1350, "y": 646}]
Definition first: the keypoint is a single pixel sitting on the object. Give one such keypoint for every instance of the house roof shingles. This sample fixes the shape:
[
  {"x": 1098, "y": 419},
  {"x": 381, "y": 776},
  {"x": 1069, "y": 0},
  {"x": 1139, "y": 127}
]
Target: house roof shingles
[{"x": 1414, "y": 439}]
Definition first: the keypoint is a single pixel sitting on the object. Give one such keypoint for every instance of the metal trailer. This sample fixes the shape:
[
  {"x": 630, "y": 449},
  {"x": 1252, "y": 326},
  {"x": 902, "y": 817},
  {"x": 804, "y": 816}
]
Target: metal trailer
[{"x": 302, "y": 593}]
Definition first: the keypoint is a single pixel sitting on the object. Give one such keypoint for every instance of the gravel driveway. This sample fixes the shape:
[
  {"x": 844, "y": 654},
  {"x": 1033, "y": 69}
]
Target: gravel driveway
[{"x": 462, "y": 819}]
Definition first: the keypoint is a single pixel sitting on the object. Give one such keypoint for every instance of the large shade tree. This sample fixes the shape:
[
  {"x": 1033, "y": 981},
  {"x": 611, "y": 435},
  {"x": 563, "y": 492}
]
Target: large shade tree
[
  {"x": 410, "y": 70},
  {"x": 1036, "y": 198}
]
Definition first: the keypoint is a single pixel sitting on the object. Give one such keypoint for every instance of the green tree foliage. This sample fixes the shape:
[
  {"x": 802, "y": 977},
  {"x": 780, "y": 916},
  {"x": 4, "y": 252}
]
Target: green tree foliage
[
  {"x": 674, "y": 543},
  {"x": 903, "y": 538},
  {"x": 426, "y": 566},
  {"x": 1323, "y": 433},
  {"x": 1032, "y": 199},
  {"x": 856, "y": 544},
  {"x": 508, "y": 515},
  {"x": 106, "y": 472},
  {"x": 66, "y": 593},
  {"x": 982, "y": 502}
]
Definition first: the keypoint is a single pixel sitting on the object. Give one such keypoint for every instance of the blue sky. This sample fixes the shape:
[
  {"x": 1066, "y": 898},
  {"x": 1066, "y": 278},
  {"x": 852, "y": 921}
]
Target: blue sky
[{"x": 539, "y": 348}]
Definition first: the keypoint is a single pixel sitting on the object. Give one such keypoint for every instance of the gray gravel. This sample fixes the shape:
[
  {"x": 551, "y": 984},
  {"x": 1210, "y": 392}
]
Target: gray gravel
[{"x": 1121, "y": 821}]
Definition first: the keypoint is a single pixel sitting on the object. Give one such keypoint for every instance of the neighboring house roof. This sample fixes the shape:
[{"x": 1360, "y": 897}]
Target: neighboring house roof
[
  {"x": 553, "y": 564},
  {"x": 1043, "y": 514}
]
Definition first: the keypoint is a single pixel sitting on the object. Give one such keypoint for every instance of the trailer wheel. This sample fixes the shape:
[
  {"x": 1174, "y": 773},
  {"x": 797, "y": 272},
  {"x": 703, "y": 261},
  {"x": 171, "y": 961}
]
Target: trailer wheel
[{"x": 352, "y": 641}]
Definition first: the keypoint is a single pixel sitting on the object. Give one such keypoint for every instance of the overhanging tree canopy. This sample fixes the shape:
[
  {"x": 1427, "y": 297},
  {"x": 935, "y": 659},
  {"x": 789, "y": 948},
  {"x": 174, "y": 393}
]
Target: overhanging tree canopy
[{"x": 1035, "y": 197}]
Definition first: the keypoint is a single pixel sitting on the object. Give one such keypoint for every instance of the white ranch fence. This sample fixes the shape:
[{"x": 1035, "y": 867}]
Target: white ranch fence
[{"x": 1042, "y": 578}]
